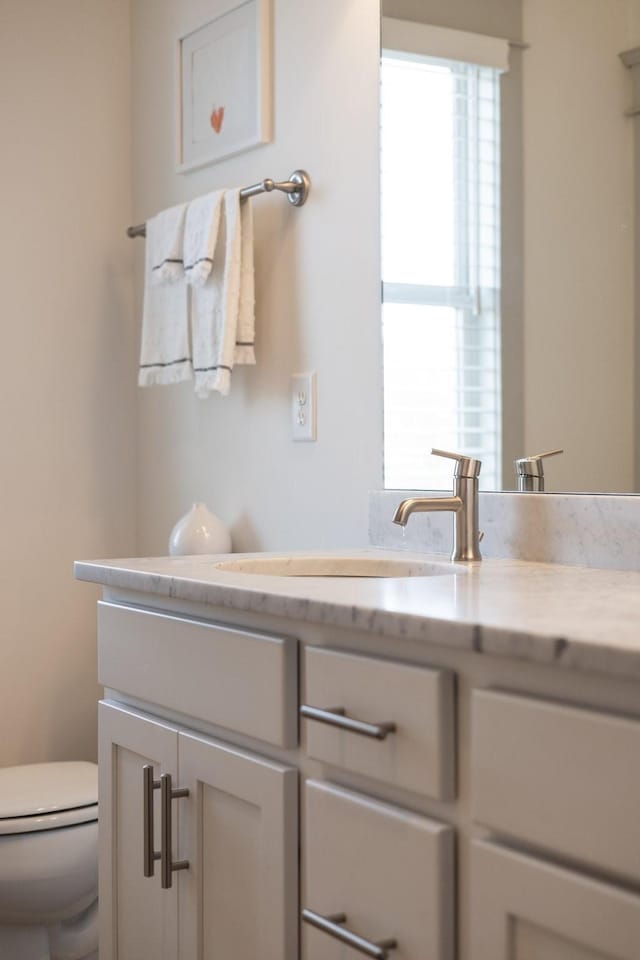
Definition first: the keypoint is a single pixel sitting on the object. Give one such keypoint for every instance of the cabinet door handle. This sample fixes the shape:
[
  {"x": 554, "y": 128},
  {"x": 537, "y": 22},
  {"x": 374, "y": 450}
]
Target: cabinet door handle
[
  {"x": 167, "y": 864},
  {"x": 148, "y": 786},
  {"x": 335, "y": 717},
  {"x": 332, "y": 926}
]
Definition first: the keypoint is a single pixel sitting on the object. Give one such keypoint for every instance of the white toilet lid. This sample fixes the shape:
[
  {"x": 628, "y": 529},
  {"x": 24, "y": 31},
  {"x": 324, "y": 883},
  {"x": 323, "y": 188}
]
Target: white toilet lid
[
  {"x": 47, "y": 788},
  {"x": 48, "y": 821}
]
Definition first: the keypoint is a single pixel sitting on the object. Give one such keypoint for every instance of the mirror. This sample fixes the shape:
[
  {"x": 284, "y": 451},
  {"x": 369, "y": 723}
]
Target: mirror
[{"x": 510, "y": 171}]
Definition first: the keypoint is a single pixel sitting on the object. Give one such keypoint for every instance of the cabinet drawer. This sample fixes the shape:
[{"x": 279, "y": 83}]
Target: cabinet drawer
[
  {"x": 525, "y": 909},
  {"x": 562, "y": 777},
  {"x": 233, "y": 678},
  {"x": 419, "y": 754},
  {"x": 389, "y": 871}
]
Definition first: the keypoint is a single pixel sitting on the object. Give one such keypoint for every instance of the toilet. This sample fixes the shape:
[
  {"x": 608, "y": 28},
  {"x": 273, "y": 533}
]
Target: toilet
[{"x": 49, "y": 861}]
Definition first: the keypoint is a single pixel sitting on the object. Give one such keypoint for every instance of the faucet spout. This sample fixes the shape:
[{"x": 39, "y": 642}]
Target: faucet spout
[{"x": 426, "y": 505}]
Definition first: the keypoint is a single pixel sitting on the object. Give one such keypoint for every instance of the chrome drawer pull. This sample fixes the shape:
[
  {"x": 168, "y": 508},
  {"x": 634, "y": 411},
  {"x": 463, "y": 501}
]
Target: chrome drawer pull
[
  {"x": 335, "y": 717},
  {"x": 167, "y": 865},
  {"x": 148, "y": 786},
  {"x": 331, "y": 925}
]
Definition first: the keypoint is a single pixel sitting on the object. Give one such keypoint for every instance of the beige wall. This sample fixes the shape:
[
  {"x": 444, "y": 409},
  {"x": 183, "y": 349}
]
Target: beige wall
[
  {"x": 497, "y": 18},
  {"x": 317, "y": 275},
  {"x": 579, "y": 244},
  {"x": 66, "y": 392}
]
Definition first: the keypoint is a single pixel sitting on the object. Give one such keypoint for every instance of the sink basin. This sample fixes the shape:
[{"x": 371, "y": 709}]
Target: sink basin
[{"x": 328, "y": 566}]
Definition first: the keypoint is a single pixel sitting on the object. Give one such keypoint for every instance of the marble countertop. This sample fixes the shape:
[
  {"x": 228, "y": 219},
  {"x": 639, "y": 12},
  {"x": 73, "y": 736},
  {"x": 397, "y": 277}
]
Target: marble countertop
[{"x": 573, "y": 617}]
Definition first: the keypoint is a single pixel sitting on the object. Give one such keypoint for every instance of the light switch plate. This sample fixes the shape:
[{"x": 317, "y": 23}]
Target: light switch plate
[{"x": 303, "y": 406}]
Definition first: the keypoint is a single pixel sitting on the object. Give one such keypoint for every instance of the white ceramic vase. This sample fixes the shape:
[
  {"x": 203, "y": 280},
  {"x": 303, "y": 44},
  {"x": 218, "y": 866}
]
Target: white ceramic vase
[{"x": 199, "y": 531}]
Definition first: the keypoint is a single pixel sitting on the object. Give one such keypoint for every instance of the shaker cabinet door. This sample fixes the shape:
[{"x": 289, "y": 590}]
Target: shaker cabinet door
[
  {"x": 525, "y": 909},
  {"x": 239, "y": 831},
  {"x": 376, "y": 871},
  {"x": 138, "y": 919}
]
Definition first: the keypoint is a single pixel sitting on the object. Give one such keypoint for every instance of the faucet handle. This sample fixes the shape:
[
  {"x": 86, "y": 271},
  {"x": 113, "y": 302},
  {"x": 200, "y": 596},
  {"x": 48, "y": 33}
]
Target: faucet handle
[
  {"x": 530, "y": 471},
  {"x": 532, "y": 466},
  {"x": 465, "y": 466}
]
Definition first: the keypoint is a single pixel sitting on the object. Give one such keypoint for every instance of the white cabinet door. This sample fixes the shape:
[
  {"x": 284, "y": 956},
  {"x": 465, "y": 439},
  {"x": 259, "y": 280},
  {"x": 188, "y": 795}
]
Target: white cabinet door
[
  {"x": 387, "y": 871},
  {"x": 526, "y": 909},
  {"x": 138, "y": 920},
  {"x": 238, "y": 828}
]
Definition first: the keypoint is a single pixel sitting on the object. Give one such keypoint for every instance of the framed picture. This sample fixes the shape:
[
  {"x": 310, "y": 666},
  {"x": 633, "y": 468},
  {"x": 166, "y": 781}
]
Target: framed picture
[{"x": 224, "y": 84}]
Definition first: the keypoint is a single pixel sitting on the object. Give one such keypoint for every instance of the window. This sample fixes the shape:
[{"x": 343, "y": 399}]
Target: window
[{"x": 440, "y": 140}]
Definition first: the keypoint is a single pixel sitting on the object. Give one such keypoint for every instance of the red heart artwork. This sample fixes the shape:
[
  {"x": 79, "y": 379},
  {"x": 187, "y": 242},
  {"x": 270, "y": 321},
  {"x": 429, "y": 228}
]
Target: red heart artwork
[{"x": 217, "y": 116}]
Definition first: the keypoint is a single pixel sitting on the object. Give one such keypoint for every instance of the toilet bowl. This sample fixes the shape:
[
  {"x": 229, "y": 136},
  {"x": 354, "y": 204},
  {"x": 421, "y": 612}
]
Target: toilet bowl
[{"x": 49, "y": 861}]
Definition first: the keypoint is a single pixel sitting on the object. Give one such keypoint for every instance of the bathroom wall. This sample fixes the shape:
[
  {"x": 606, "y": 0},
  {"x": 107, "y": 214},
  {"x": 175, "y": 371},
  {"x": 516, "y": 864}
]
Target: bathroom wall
[
  {"x": 66, "y": 395},
  {"x": 317, "y": 276}
]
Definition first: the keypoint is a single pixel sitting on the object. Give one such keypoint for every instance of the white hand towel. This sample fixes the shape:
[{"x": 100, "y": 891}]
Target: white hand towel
[
  {"x": 166, "y": 241},
  {"x": 200, "y": 236},
  {"x": 245, "y": 332},
  {"x": 165, "y": 356},
  {"x": 222, "y": 309}
]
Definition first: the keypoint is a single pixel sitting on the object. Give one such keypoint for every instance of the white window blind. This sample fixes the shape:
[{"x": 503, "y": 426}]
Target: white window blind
[{"x": 440, "y": 136}]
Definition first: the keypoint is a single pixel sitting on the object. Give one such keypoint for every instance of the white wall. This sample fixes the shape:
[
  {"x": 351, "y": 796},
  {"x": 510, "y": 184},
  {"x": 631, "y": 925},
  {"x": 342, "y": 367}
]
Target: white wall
[
  {"x": 579, "y": 244},
  {"x": 66, "y": 393},
  {"x": 317, "y": 290}
]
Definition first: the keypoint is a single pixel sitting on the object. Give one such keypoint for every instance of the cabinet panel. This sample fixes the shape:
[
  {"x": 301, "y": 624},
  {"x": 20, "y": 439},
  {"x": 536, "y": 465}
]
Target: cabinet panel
[
  {"x": 138, "y": 919},
  {"x": 236, "y": 679},
  {"x": 419, "y": 755},
  {"x": 389, "y": 870},
  {"x": 526, "y": 909},
  {"x": 561, "y": 777},
  {"x": 239, "y": 831}
]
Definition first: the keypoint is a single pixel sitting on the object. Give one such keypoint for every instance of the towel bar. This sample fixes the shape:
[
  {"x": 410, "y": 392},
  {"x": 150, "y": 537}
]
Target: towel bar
[{"x": 296, "y": 188}]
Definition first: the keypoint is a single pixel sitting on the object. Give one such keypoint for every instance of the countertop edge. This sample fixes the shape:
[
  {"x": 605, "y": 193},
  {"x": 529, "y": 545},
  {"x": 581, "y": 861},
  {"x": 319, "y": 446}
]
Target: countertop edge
[{"x": 550, "y": 649}]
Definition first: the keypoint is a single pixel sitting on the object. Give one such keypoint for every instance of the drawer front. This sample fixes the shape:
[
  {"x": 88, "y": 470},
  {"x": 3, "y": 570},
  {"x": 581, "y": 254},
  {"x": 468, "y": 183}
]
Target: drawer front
[
  {"x": 236, "y": 679},
  {"x": 419, "y": 754},
  {"x": 562, "y": 777},
  {"x": 389, "y": 871},
  {"x": 525, "y": 909}
]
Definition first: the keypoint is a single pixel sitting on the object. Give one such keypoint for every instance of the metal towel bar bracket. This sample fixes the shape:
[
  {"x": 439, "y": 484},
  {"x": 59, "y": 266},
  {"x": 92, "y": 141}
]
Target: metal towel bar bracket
[{"x": 296, "y": 188}]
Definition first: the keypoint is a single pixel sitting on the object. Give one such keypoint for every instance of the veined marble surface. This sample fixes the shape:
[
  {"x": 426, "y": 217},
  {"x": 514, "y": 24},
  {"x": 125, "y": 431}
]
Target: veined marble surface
[
  {"x": 582, "y": 529},
  {"x": 570, "y": 617}
]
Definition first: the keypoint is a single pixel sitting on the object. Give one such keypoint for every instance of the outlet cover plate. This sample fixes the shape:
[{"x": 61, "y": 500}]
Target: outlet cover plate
[{"x": 303, "y": 406}]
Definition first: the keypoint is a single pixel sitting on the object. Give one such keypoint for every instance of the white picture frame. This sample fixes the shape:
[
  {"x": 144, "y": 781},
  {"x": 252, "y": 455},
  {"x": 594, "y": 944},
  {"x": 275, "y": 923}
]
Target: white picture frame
[{"x": 223, "y": 67}]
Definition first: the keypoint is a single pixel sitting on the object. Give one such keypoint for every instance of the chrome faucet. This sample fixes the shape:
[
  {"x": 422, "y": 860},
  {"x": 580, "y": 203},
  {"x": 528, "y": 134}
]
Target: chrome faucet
[
  {"x": 463, "y": 504},
  {"x": 530, "y": 472}
]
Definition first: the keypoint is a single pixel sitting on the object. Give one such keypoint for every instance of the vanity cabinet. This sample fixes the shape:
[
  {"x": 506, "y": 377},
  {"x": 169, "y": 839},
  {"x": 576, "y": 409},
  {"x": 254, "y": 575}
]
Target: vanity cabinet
[
  {"x": 443, "y": 815},
  {"x": 234, "y": 831}
]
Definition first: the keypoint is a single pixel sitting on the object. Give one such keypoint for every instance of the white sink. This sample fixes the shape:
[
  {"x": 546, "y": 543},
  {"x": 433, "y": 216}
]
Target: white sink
[{"x": 329, "y": 566}]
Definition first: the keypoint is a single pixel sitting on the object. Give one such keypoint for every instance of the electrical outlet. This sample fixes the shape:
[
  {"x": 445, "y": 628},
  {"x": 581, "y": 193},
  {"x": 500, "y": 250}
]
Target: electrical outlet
[{"x": 303, "y": 406}]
